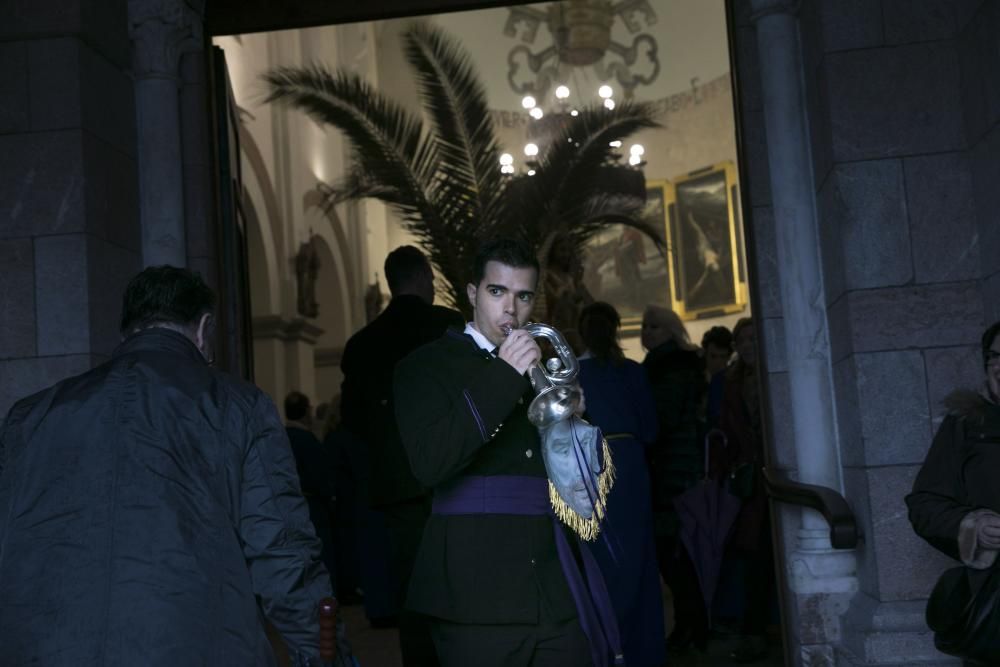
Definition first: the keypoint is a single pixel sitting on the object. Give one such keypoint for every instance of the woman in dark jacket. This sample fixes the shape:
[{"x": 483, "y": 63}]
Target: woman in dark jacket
[
  {"x": 620, "y": 402},
  {"x": 677, "y": 375},
  {"x": 955, "y": 503}
]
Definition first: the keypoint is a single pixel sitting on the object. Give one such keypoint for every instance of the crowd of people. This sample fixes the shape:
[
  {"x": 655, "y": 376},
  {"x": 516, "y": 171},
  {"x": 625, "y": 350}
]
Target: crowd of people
[
  {"x": 420, "y": 491},
  {"x": 687, "y": 413}
]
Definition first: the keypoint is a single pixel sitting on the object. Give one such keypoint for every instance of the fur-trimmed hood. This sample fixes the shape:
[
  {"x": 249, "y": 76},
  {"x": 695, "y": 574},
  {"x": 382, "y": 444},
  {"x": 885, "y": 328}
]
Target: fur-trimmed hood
[
  {"x": 963, "y": 402},
  {"x": 969, "y": 403}
]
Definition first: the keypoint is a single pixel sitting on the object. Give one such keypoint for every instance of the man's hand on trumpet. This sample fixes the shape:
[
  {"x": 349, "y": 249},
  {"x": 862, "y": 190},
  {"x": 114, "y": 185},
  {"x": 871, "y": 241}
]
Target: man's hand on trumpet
[{"x": 520, "y": 350}]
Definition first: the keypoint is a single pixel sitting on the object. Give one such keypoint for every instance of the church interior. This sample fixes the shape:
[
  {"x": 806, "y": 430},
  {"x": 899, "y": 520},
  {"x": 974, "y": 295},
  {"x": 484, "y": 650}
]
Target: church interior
[{"x": 826, "y": 168}]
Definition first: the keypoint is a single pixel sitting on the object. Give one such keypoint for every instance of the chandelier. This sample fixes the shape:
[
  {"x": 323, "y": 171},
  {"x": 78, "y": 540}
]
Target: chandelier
[
  {"x": 581, "y": 33},
  {"x": 543, "y": 128}
]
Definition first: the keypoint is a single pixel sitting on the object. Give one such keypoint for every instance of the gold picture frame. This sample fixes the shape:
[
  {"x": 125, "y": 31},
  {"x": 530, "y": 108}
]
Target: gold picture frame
[
  {"x": 624, "y": 267},
  {"x": 705, "y": 244}
]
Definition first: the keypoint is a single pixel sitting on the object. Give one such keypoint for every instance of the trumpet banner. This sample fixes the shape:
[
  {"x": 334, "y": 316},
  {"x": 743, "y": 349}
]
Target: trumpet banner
[{"x": 581, "y": 474}]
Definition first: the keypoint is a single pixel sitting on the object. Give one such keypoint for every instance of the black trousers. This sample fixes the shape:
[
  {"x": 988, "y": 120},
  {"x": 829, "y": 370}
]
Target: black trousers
[
  {"x": 677, "y": 570},
  {"x": 761, "y": 586},
  {"x": 405, "y": 523},
  {"x": 548, "y": 644}
]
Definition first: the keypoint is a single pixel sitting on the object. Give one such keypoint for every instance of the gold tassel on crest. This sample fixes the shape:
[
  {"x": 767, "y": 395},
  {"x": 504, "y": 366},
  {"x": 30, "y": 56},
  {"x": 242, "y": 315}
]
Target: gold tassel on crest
[{"x": 588, "y": 528}]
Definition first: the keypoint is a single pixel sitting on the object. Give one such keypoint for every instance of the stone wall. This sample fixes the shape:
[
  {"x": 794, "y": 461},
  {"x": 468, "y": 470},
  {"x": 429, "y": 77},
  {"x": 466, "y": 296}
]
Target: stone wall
[
  {"x": 903, "y": 117},
  {"x": 69, "y": 224}
]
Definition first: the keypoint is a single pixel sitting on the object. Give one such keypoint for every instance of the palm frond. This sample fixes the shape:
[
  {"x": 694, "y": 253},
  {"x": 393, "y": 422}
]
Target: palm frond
[
  {"x": 572, "y": 171},
  {"x": 573, "y": 161},
  {"x": 455, "y": 100},
  {"x": 389, "y": 143},
  {"x": 444, "y": 181}
]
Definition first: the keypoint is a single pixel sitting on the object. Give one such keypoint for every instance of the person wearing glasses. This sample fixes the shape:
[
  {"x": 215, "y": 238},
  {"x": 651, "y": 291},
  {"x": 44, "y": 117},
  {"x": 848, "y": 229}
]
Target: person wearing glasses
[
  {"x": 956, "y": 506},
  {"x": 955, "y": 502}
]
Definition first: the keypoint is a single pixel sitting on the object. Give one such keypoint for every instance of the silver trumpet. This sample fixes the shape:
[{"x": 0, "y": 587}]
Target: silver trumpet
[{"x": 558, "y": 395}]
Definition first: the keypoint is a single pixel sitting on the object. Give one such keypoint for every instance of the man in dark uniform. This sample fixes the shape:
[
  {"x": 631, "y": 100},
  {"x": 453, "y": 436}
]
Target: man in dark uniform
[
  {"x": 491, "y": 571},
  {"x": 409, "y": 321}
]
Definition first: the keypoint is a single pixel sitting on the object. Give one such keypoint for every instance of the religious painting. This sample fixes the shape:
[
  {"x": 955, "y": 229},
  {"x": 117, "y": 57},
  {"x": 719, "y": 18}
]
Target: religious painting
[
  {"x": 705, "y": 258},
  {"x": 624, "y": 267}
]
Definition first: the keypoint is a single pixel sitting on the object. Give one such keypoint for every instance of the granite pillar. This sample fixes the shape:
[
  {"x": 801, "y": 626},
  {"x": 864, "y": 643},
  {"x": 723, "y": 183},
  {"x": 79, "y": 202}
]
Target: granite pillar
[{"x": 161, "y": 31}]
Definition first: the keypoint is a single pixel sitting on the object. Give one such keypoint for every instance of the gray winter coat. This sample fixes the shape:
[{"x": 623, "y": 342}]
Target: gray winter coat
[{"x": 150, "y": 515}]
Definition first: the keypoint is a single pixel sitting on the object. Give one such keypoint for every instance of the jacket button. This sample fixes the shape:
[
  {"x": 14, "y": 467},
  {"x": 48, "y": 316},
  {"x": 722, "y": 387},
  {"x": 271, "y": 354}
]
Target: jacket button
[
  {"x": 520, "y": 401},
  {"x": 384, "y": 401},
  {"x": 529, "y": 453},
  {"x": 532, "y": 561}
]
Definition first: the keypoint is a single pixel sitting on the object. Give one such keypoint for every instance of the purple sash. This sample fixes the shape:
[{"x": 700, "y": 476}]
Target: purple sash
[{"x": 529, "y": 496}]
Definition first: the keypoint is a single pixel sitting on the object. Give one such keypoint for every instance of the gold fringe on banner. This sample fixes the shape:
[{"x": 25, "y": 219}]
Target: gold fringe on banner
[{"x": 588, "y": 528}]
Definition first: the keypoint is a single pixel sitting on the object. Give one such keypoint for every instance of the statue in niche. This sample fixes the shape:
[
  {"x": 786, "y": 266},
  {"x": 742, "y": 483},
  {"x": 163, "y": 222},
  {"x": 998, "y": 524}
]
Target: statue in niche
[
  {"x": 373, "y": 301},
  {"x": 306, "y": 271}
]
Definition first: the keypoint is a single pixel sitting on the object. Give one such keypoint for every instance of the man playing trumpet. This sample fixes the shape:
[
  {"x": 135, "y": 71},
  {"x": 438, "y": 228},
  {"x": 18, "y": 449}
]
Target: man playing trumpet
[{"x": 492, "y": 567}]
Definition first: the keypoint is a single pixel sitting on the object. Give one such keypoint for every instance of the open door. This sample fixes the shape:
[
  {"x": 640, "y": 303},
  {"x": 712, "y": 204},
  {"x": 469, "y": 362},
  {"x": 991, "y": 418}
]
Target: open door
[{"x": 234, "y": 335}]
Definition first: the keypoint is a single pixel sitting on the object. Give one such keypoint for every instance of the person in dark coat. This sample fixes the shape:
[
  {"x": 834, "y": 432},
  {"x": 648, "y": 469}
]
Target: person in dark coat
[
  {"x": 368, "y": 411},
  {"x": 314, "y": 466},
  {"x": 361, "y": 536},
  {"x": 955, "y": 502},
  {"x": 620, "y": 402},
  {"x": 750, "y": 539},
  {"x": 150, "y": 513},
  {"x": 677, "y": 460},
  {"x": 488, "y": 572}
]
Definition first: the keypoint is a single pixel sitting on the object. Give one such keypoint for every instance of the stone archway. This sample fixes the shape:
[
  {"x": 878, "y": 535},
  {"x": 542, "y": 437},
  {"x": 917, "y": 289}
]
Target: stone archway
[{"x": 334, "y": 295}]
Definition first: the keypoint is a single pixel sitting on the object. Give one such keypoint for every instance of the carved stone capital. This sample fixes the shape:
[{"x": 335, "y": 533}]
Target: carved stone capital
[
  {"x": 162, "y": 30},
  {"x": 762, "y": 8}
]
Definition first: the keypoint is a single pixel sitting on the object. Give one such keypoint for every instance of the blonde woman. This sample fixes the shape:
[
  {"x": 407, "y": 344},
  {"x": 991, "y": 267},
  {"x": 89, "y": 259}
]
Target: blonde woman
[{"x": 676, "y": 373}]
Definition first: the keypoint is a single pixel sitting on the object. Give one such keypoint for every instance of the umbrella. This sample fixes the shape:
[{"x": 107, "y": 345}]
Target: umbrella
[{"x": 706, "y": 512}]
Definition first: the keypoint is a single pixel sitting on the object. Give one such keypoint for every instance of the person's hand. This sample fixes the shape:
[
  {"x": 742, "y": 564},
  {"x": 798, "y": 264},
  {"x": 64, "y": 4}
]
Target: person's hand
[
  {"x": 988, "y": 531},
  {"x": 520, "y": 350}
]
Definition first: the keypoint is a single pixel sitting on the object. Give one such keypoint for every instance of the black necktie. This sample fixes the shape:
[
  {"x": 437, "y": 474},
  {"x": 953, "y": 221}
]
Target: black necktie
[{"x": 495, "y": 351}]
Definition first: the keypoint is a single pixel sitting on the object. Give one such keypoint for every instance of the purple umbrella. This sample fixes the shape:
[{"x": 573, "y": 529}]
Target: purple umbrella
[{"x": 707, "y": 512}]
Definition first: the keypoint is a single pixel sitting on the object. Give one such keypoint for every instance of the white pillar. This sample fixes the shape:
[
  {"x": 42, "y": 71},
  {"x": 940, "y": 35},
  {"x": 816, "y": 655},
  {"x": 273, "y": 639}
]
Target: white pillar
[
  {"x": 814, "y": 566},
  {"x": 160, "y": 31}
]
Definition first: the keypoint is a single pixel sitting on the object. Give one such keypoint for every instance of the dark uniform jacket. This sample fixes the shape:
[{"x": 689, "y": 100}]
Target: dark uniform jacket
[
  {"x": 145, "y": 507},
  {"x": 366, "y": 393},
  {"x": 960, "y": 472},
  {"x": 463, "y": 412}
]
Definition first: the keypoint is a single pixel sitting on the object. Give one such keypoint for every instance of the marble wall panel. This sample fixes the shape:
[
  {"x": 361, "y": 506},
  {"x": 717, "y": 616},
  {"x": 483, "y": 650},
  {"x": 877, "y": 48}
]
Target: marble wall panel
[
  {"x": 871, "y": 217},
  {"x": 908, "y": 566},
  {"x": 13, "y": 87},
  {"x": 851, "y": 24},
  {"x": 17, "y": 298},
  {"x": 921, "y": 316},
  {"x": 895, "y": 101},
  {"x": 892, "y": 400},
  {"x": 943, "y": 230},
  {"x": 41, "y": 190},
  {"x": 62, "y": 295}
]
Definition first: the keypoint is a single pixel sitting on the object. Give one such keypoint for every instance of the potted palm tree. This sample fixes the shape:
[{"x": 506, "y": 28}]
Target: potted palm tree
[{"x": 443, "y": 178}]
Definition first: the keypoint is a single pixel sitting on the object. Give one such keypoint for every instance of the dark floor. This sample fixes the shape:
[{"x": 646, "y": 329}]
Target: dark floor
[{"x": 380, "y": 648}]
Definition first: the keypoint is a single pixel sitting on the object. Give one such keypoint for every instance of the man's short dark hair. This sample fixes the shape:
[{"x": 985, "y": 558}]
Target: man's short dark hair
[
  {"x": 505, "y": 251},
  {"x": 718, "y": 336},
  {"x": 296, "y": 406},
  {"x": 987, "y": 341},
  {"x": 404, "y": 265},
  {"x": 165, "y": 295}
]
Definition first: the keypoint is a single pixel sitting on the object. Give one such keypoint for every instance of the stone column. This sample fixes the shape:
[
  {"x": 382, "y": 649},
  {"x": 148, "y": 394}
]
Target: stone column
[
  {"x": 161, "y": 30},
  {"x": 821, "y": 579}
]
